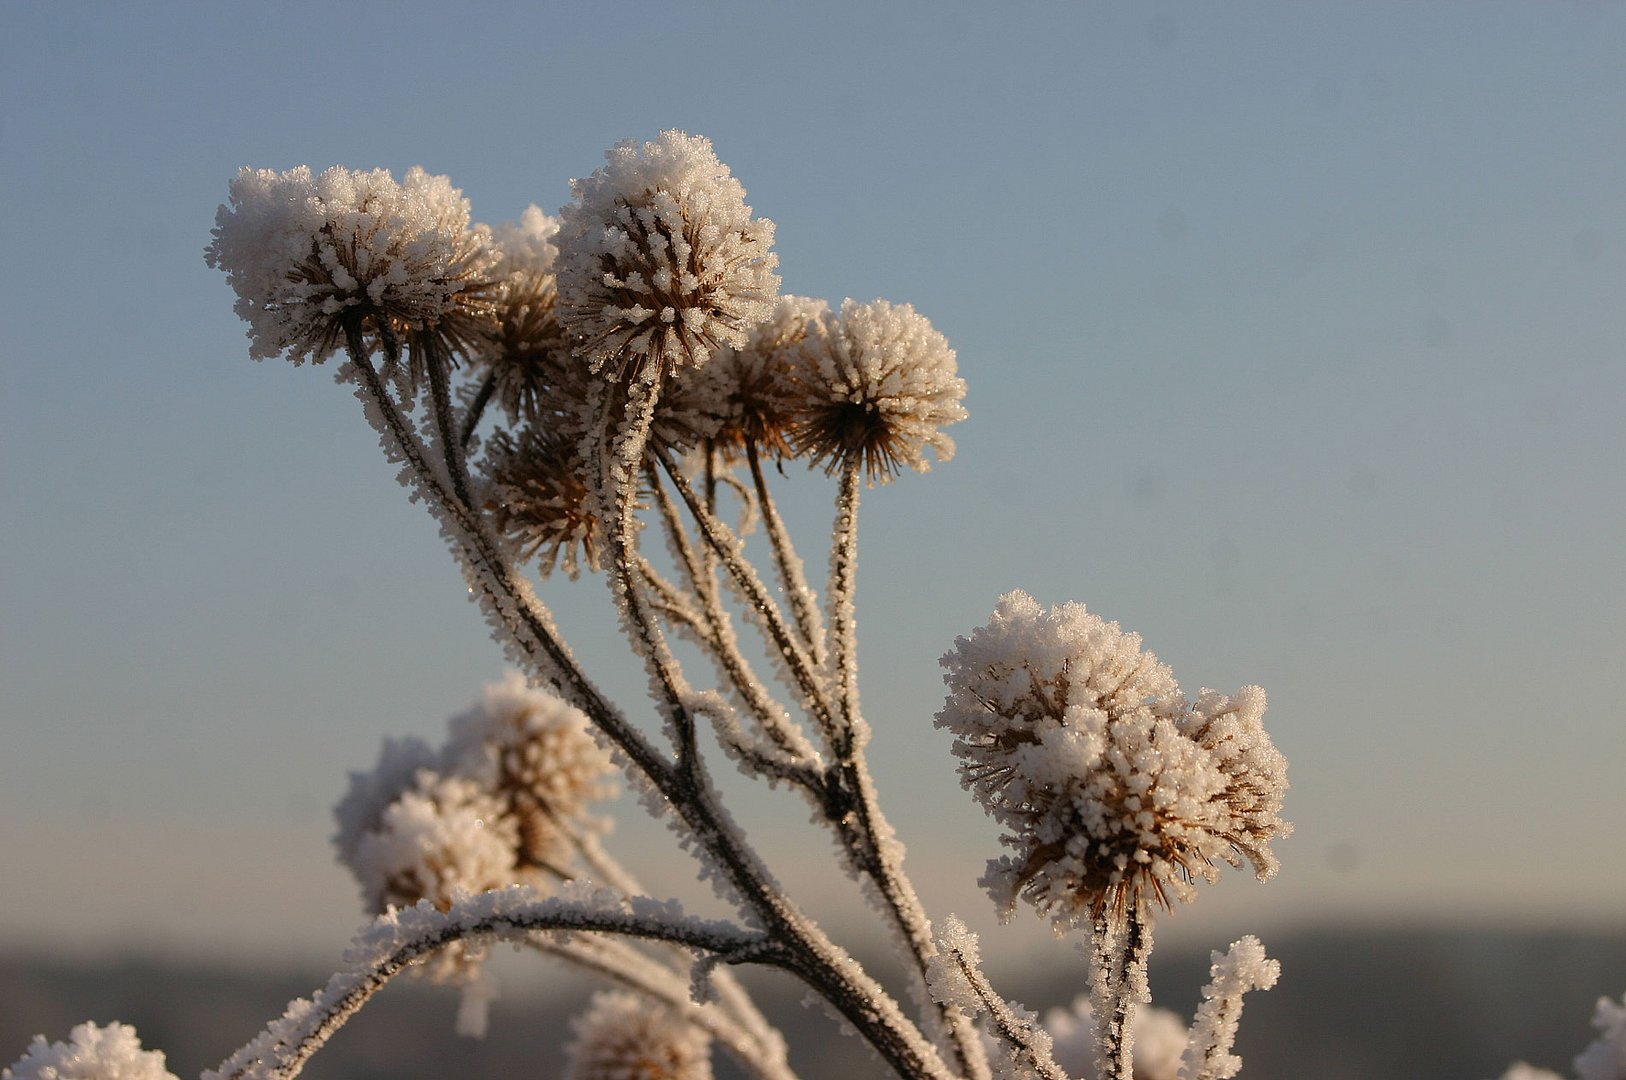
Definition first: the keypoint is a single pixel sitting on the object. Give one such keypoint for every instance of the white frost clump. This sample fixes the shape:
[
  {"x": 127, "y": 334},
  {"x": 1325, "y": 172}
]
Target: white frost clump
[
  {"x": 526, "y": 246},
  {"x": 1605, "y": 1059},
  {"x": 626, "y": 1037},
  {"x": 1159, "y": 1040},
  {"x": 661, "y": 262},
  {"x": 91, "y": 1053},
  {"x": 1114, "y": 791},
  {"x": 307, "y": 253},
  {"x": 877, "y": 387}
]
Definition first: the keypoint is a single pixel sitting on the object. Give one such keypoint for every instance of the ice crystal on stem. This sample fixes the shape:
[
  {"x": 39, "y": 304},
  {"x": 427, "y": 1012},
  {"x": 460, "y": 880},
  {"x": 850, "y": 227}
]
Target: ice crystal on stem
[
  {"x": 1159, "y": 1040},
  {"x": 92, "y": 1052}
]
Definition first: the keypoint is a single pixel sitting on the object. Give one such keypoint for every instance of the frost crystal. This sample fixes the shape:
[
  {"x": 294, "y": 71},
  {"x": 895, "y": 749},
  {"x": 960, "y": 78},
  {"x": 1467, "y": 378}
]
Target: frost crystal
[
  {"x": 877, "y": 388},
  {"x": 661, "y": 261},
  {"x": 91, "y": 1053},
  {"x": 627, "y": 1037},
  {"x": 1159, "y": 1034},
  {"x": 1113, "y": 789},
  {"x": 306, "y": 255}
]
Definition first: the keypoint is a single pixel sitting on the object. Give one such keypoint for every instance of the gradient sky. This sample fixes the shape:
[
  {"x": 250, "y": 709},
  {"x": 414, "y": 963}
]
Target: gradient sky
[{"x": 1295, "y": 341}]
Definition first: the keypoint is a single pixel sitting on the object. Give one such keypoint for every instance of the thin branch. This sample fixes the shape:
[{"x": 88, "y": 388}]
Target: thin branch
[{"x": 803, "y": 604}]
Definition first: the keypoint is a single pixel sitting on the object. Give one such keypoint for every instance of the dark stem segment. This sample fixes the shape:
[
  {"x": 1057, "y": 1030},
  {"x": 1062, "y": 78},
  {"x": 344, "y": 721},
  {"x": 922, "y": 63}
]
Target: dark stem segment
[{"x": 477, "y": 409}]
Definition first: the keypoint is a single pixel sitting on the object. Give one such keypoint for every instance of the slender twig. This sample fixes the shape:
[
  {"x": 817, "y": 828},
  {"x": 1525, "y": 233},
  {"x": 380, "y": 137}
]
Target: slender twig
[
  {"x": 803, "y": 604},
  {"x": 724, "y": 646},
  {"x": 1019, "y": 1033},
  {"x": 1121, "y": 941}
]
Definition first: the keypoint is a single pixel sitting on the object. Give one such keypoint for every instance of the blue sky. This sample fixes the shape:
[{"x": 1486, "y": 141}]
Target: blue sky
[{"x": 1294, "y": 336}]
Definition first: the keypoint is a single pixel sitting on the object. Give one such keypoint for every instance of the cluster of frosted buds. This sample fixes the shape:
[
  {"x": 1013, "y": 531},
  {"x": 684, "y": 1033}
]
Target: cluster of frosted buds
[
  {"x": 92, "y": 1052},
  {"x": 504, "y": 802},
  {"x": 313, "y": 258},
  {"x": 1114, "y": 791},
  {"x": 528, "y": 355},
  {"x": 626, "y": 1037},
  {"x": 753, "y": 393},
  {"x": 1159, "y": 1035},
  {"x": 662, "y": 262},
  {"x": 876, "y": 389}
]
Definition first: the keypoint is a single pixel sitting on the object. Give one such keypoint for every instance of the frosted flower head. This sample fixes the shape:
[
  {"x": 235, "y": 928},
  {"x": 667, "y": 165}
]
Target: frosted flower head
[
  {"x": 1159, "y": 1040},
  {"x": 536, "y": 753},
  {"x": 626, "y": 1037},
  {"x": 540, "y": 500},
  {"x": 1115, "y": 793},
  {"x": 92, "y": 1052},
  {"x": 877, "y": 388},
  {"x": 309, "y": 256},
  {"x": 661, "y": 262},
  {"x": 751, "y": 392}
]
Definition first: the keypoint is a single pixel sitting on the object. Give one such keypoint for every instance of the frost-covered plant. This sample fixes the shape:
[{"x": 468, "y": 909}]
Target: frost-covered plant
[{"x": 556, "y": 392}]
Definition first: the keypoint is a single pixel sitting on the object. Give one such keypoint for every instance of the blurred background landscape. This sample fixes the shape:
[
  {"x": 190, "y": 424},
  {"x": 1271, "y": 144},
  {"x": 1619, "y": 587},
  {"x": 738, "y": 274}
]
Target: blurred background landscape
[
  {"x": 1424, "y": 1005},
  {"x": 1295, "y": 342}
]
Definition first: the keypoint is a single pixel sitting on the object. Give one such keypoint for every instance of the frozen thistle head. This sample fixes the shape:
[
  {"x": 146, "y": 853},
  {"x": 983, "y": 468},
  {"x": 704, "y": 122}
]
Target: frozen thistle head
[
  {"x": 92, "y": 1052},
  {"x": 540, "y": 499},
  {"x": 1114, "y": 792},
  {"x": 876, "y": 388},
  {"x": 661, "y": 262},
  {"x": 313, "y": 257},
  {"x": 1159, "y": 1040},
  {"x": 528, "y": 356},
  {"x": 1605, "y": 1058},
  {"x": 752, "y": 391},
  {"x": 624, "y": 1036},
  {"x": 536, "y": 753}
]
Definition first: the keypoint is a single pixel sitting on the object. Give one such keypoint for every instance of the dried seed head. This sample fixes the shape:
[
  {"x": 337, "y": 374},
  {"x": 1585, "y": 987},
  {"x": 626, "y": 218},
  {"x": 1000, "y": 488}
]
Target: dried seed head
[
  {"x": 751, "y": 392},
  {"x": 528, "y": 354},
  {"x": 538, "y": 496}
]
